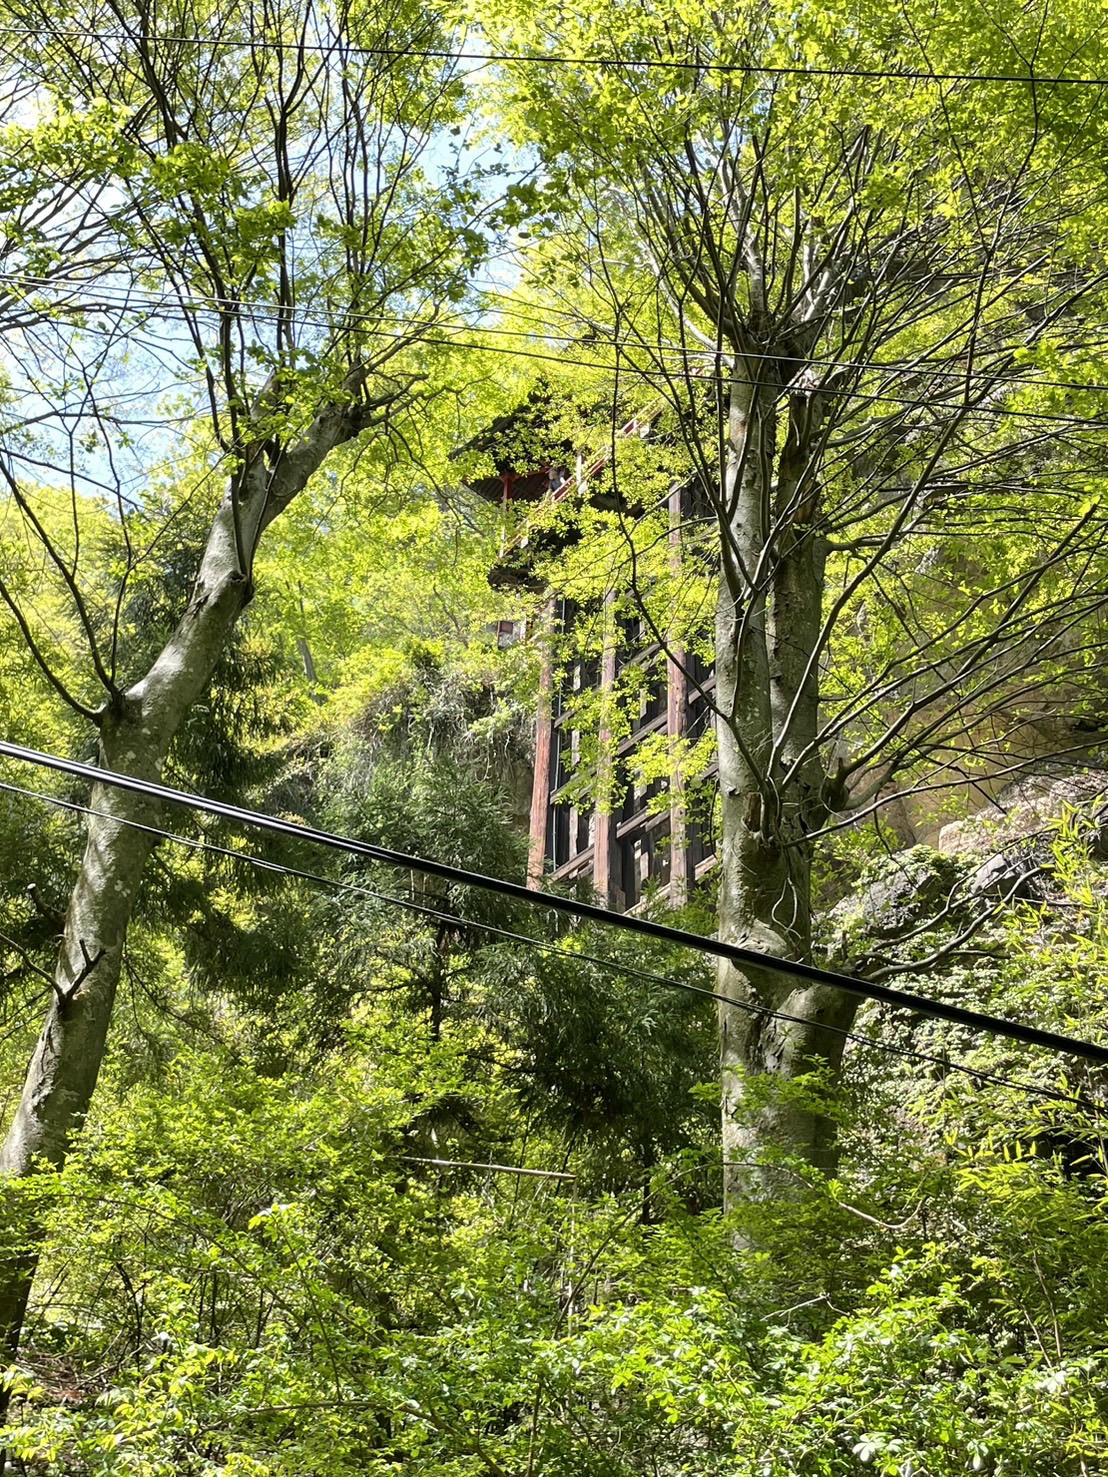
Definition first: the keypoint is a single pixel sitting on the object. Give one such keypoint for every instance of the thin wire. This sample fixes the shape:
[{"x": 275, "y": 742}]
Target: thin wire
[
  {"x": 1031, "y": 79},
  {"x": 543, "y": 328},
  {"x": 541, "y": 1174},
  {"x": 265, "y": 864},
  {"x": 574, "y": 955},
  {"x": 738, "y": 954},
  {"x": 123, "y": 298},
  {"x": 664, "y": 378}
]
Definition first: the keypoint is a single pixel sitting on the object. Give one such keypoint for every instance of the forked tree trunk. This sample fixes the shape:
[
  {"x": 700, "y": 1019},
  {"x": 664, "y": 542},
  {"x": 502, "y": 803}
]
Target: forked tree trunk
[
  {"x": 136, "y": 731},
  {"x": 771, "y": 798}
]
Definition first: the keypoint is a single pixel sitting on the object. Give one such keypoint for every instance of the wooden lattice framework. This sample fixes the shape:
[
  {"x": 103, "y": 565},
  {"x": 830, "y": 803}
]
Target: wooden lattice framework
[{"x": 641, "y": 844}]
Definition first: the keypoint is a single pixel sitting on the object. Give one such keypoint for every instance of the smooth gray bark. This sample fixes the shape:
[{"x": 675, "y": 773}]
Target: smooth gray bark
[
  {"x": 136, "y": 731},
  {"x": 772, "y": 789}
]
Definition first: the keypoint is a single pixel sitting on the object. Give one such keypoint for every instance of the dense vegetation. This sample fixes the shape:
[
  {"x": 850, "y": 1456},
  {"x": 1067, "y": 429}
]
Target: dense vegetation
[{"x": 315, "y": 1167}]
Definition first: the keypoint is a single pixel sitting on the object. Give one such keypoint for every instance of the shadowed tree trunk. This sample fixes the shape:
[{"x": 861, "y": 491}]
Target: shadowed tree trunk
[
  {"x": 768, "y": 619},
  {"x": 136, "y": 729},
  {"x": 271, "y": 190}
]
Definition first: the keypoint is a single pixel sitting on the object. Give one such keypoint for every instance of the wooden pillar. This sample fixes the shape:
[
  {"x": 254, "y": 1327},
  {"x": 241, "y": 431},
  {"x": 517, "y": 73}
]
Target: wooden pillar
[
  {"x": 676, "y": 709},
  {"x": 603, "y": 821},
  {"x": 544, "y": 749},
  {"x": 676, "y": 723}
]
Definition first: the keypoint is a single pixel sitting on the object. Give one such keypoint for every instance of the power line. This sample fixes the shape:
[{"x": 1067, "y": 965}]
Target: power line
[
  {"x": 359, "y": 889},
  {"x": 750, "y": 959},
  {"x": 576, "y": 956},
  {"x": 539, "y": 1174},
  {"x": 159, "y": 307},
  {"x": 695, "y": 65},
  {"x": 664, "y": 377}
]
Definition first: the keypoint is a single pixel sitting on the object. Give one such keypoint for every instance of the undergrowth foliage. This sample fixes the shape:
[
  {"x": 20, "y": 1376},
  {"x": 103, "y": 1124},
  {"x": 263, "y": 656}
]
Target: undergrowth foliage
[
  {"x": 279, "y": 1289},
  {"x": 385, "y": 1175},
  {"x": 300, "y": 1262}
]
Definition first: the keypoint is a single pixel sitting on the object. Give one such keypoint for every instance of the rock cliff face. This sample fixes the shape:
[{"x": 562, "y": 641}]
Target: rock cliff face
[
  {"x": 1028, "y": 808},
  {"x": 1002, "y": 854},
  {"x": 1010, "y": 774},
  {"x": 893, "y": 901}
]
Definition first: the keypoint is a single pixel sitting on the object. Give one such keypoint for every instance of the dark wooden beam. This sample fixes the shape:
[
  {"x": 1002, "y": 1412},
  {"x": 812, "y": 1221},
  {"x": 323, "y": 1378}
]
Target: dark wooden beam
[
  {"x": 544, "y": 744},
  {"x": 602, "y": 820}
]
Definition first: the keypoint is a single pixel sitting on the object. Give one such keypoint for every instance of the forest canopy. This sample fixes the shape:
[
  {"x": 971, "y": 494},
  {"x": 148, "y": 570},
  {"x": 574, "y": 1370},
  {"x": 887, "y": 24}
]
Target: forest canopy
[{"x": 382, "y": 388}]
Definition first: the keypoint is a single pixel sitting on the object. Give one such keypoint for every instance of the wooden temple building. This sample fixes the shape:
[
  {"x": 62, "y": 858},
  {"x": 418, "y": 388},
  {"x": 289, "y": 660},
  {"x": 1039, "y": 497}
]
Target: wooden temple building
[{"x": 637, "y": 845}]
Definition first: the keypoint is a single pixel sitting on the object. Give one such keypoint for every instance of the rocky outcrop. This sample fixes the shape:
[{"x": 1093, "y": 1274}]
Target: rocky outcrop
[
  {"x": 1031, "y": 808},
  {"x": 1002, "y": 854}
]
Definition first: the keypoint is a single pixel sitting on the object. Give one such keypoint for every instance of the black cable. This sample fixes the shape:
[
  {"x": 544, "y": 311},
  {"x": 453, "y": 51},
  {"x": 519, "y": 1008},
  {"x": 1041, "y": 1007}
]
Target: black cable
[
  {"x": 575, "y": 956},
  {"x": 424, "y": 909},
  {"x": 125, "y": 299},
  {"x": 1031, "y": 79},
  {"x": 664, "y": 377},
  {"x": 734, "y": 953}
]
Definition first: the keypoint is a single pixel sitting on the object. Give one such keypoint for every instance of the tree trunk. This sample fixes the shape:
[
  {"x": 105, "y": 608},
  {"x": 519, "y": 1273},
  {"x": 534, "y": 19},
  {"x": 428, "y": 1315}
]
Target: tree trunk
[
  {"x": 771, "y": 798},
  {"x": 136, "y": 730},
  {"x": 135, "y": 733}
]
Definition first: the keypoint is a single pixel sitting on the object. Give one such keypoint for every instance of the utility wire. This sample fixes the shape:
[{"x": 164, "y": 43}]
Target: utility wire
[
  {"x": 665, "y": 378},
  {"x": 751, "y": 959},
  {"x": 539, "y": 1174},
  {"x": 359, "y": 889},
  {"x": 341, "y": 48},
  {"x": 123, "y": 299},
  {"x": 575, "y": 956}
]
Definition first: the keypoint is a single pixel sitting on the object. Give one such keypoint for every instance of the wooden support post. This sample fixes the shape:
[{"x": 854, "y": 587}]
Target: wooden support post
[
  {"x": 676, "y": 710},
  {"x": 603, "y": 821},
  {"x": 544, "y": 747},
  {"x": 676, "y": 723}
]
